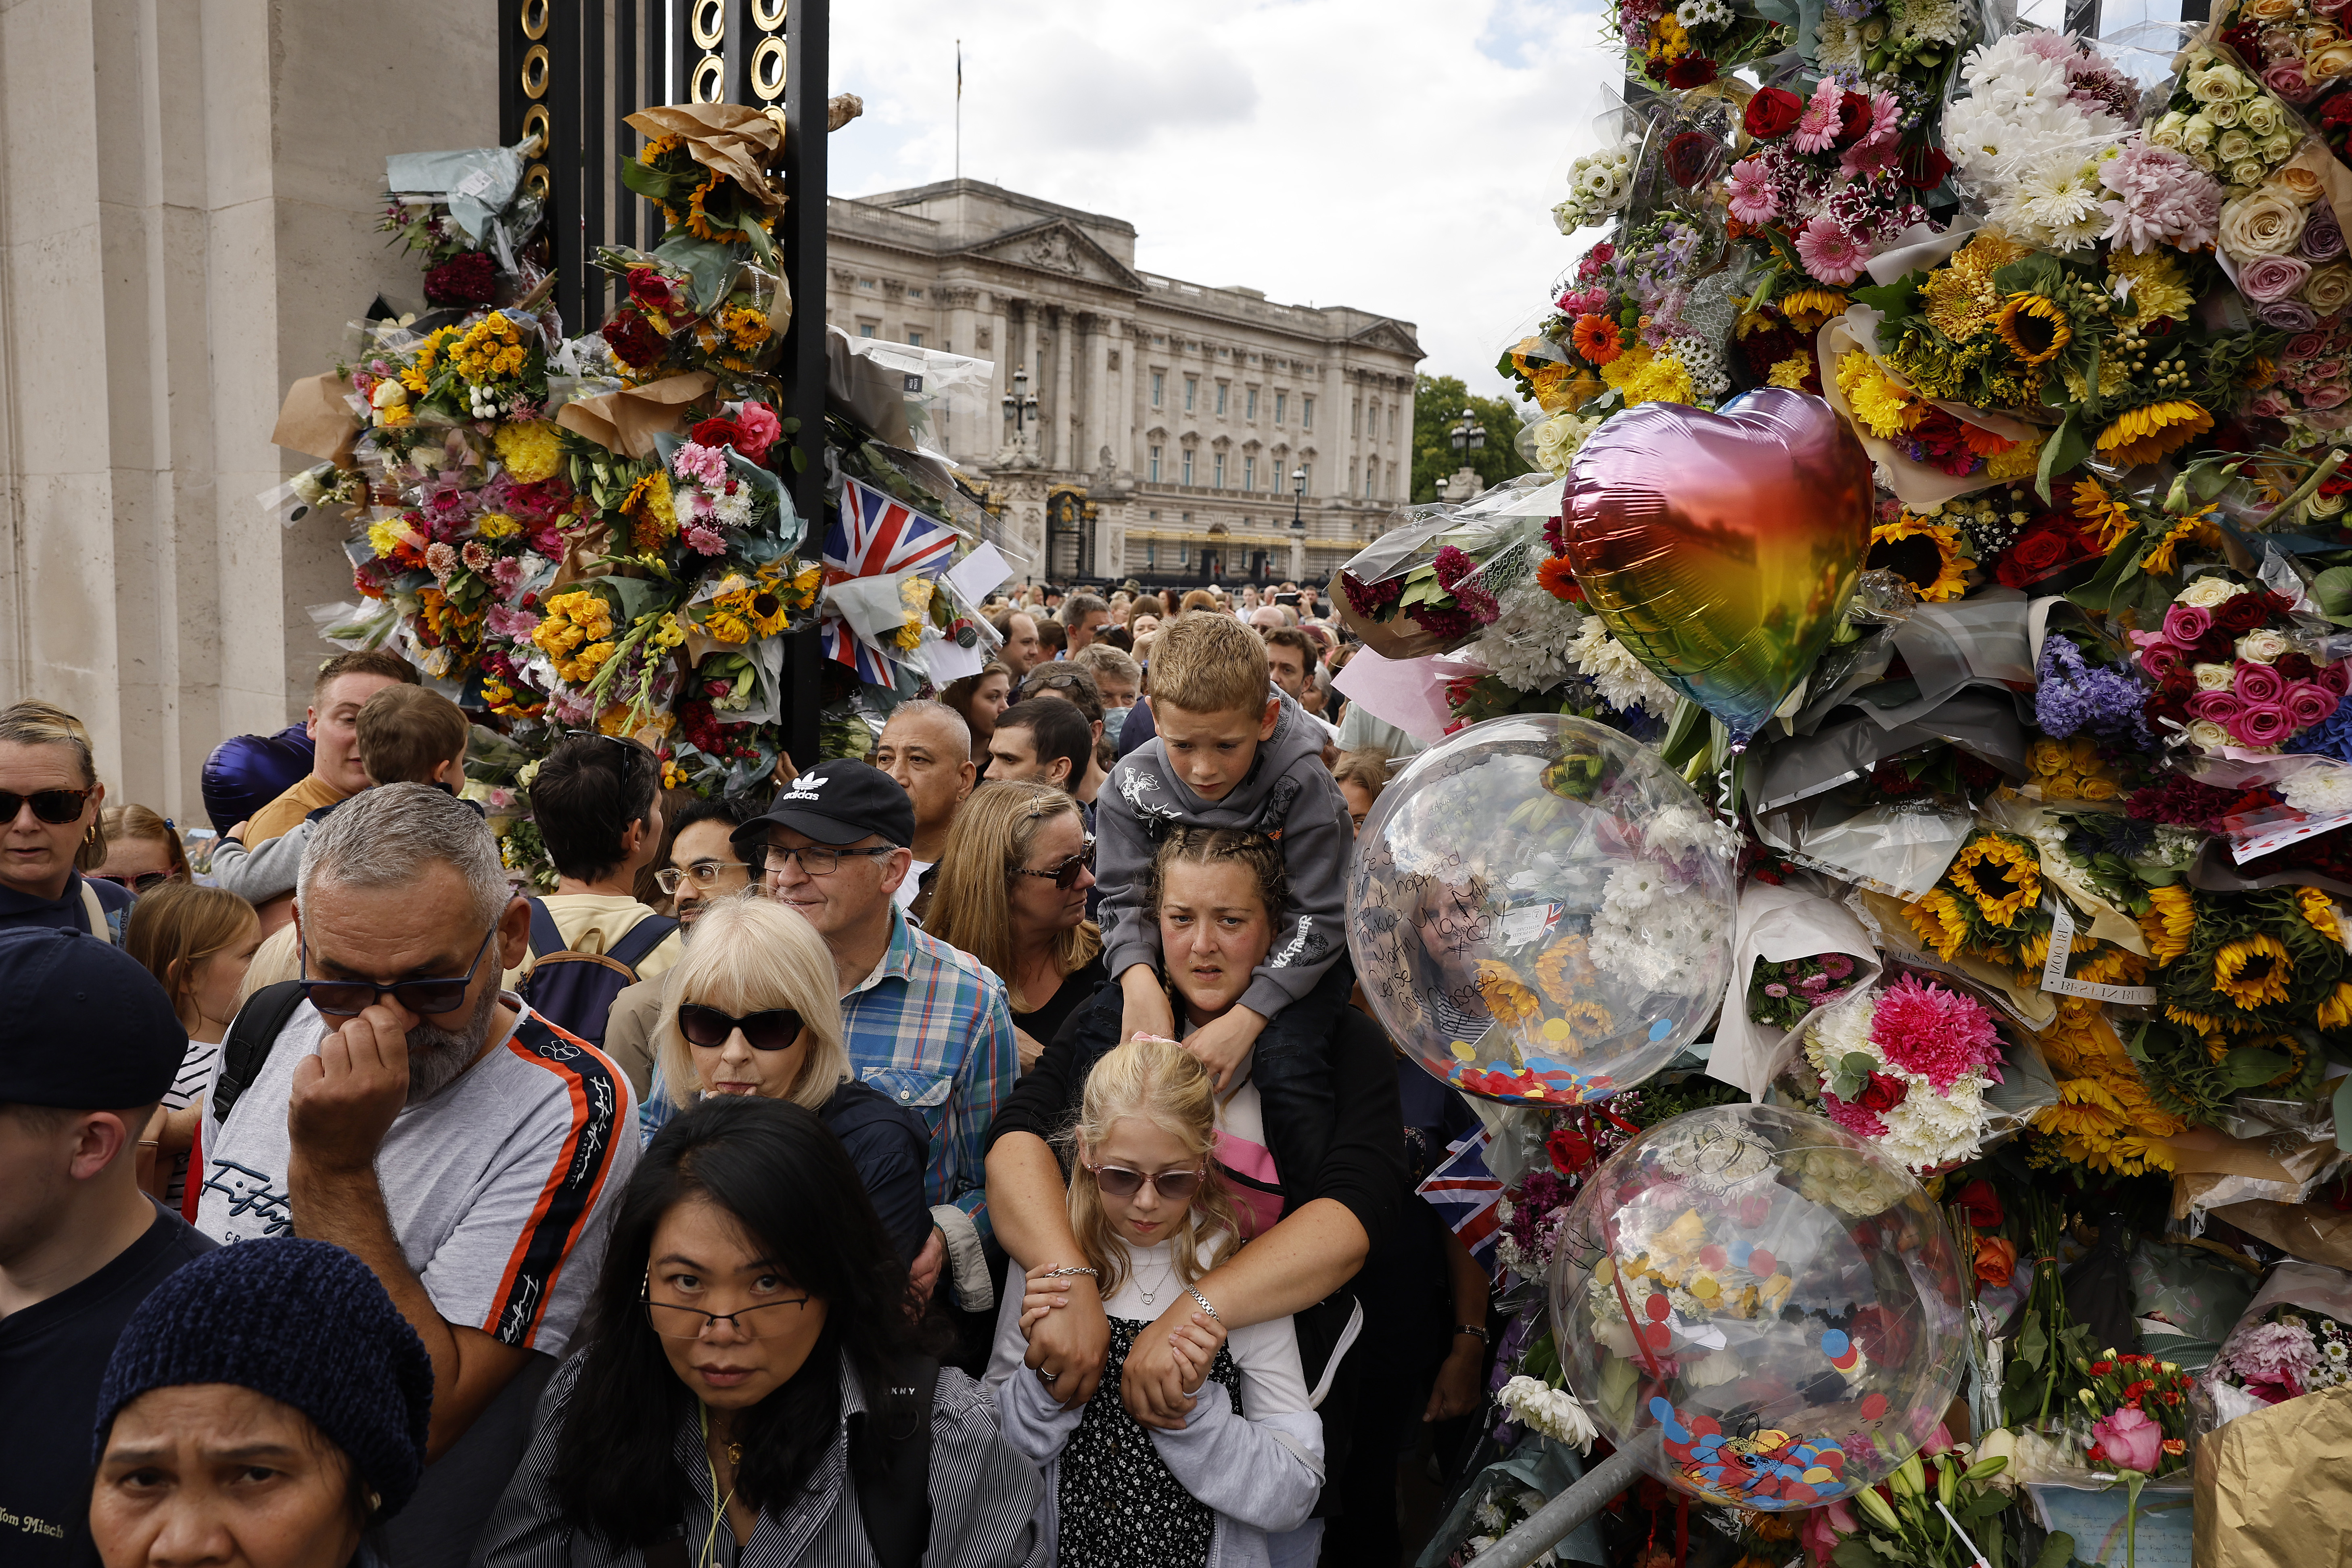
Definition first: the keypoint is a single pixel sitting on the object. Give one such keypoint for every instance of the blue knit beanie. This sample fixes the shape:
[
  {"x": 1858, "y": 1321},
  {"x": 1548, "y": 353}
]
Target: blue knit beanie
[{"x": 306, "y": 1323}]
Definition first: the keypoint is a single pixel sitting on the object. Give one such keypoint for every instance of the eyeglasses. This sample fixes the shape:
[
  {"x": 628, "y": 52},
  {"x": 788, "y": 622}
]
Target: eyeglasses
[
  {"x": 816, "y": 859},
  {"x": 1066, "y": 875},
  {"x": 773, "y": 1030},
  {"x": 1119, "y": 1182},
  {"x": 702, "y": 873},
  {"x": 349, "y": 998},
  {"x": 672, "y": 1321},
  {"x": 54, "y": 806},
  {"x": 145, "y": 882}
]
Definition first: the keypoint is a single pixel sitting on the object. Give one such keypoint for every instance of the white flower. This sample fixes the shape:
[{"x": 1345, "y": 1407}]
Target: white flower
[
  {"x": 1634, "y": 887},
  {"x": 2262, "y": 647},
  {"x": 2207, "y": 591},
  {"x": 1526, "y": 646},
  {"x": 1558, "y": 438},
  {"x": 1680, "y": 829},
  {"x": 1837, "y": 45},
  {"x": 2212, "y": 676},
  {"x": 1942, "y": 20},
  {"x": 2319, "y": 791},
  {"x": 1554, "y": 1412},
  {"x": 1622, "y": 680},
  {"x": 2208, "y": 736}
]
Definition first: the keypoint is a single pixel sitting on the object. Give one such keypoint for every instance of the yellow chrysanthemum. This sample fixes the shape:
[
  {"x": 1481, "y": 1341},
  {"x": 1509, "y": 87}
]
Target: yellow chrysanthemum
[
  {"x": 2157, "y": 288},
  {"x": 530, "y": 451},
  {"x": 1960, "y": 298},
  {"x": 495, "y": 525},
  {"x": 2253, "y": 971},
  {"x": 1884, "y": 408},
  {"x": 2171, "y": 917},
  {"x": 2144, "y": 435},
  {"x": 2035, "y": 327},
  {"x": 2002, "y": 876},
  {"x": 1937, "y": 919},
  {"x": 1642, "y": 375},
  {"x": 387, "y": 536},
  {"x": 2021, "y": 461},
  {"x": 1790, "y": 373},
  {"x": 1927, "y": 554}
]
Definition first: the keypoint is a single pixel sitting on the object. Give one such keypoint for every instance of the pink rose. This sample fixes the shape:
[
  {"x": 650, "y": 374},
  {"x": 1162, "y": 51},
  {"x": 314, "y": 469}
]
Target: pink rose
[
  {"x": 2263, "y": 726},
  {"x": 761, "y": 428},
  {"x": 2308, "y": 702},
  {"x": 2269, "y": 277},
  {"x": 2305, "y": 345},
  {"x": 1825, "y": 1527},
  {"x": 2220, "y": 707},
  {"x": 2186, "y": 624},
  {"x": 2259, "y": 682},
  {"x": 2159, "y": 659},
  {"x": 2327, "y": 396},
  {"x": 2336, "y": 678},
  {"x": 2286, "y": 79},
  {"x": 2269, "y": 405},
  {"x": 2132, "y": 1441}
]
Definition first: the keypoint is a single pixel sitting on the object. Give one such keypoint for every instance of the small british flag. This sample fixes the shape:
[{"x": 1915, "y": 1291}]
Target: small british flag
[
  {"x": 1464, "y": 1193},
  {"x": 873, "y": 533},
  {"x": 845, "y": 646}
]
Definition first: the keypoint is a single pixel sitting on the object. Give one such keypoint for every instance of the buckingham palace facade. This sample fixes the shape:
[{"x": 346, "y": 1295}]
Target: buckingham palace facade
[{"x": 1171, "y": 422}]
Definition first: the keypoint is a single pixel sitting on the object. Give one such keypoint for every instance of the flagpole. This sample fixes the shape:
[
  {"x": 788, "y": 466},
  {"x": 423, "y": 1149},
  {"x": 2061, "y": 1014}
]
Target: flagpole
[{"x": 959, "y": 110}]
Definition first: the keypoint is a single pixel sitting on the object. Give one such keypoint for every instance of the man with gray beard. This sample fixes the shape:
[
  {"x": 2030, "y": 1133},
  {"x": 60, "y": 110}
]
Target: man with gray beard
[{"x": 409, "y": 1112}]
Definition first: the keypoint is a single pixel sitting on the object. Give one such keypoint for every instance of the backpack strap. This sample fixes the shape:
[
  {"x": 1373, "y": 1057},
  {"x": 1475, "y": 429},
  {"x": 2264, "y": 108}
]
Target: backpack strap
[
  {"x": 251, "y": 1037},
  {"x": 640, "y": 939},
  {"x": 94, "y": 912},
  {"x": 890, "y": 1460},
  {"x": 544, "y": 938}
]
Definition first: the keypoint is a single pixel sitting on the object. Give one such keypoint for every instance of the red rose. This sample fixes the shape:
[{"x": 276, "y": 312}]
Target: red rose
[
  {"x": 463, "y": 279},
  {"x": 650, "y": 290},
  {"x": 632, "y": 342},
  {"x": 1922, "y": 167},
  {"x": 2296, "y": 666},
  {"x": 1881, "y": 1092},
  {"x": 2242, "y": 614},
  {"x": 1854, "y": 118},
  {"x": 1571, "y": 1151},
  {"x": 2040, "y": 551},
  {"x": 1772, "y": 114},
  {"x": 1980, "y": 1204},
  {"x": 1691, "y": 157},
  {"x": 1690, "y": 71},
  {"x": 719, "y": 433}
]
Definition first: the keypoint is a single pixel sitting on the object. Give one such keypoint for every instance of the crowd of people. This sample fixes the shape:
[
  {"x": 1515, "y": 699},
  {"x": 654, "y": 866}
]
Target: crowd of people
[{"x": 896, "y": 1166}]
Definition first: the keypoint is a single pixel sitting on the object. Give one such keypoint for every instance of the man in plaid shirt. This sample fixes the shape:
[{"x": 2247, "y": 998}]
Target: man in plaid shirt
[{"x": 924, "y": 1023}]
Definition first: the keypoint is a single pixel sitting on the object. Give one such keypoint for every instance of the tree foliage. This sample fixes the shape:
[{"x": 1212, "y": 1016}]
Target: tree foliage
[{"x": 1437, "y": 403}]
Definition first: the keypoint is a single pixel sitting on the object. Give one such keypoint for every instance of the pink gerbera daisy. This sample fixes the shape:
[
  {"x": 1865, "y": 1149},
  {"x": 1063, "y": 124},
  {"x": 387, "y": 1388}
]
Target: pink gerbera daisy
[
  {"x": 1817, "y": 128},
  {"x": 1751, "y": 193},
  {"x": 1829, "y": 252}
]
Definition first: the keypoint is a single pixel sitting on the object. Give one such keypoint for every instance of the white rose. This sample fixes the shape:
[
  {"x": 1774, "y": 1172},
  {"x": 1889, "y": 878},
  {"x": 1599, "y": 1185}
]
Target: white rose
[
  {"x": 2207, "y": 591},
  {"x": 2278, "y": 147},
  {"x": 2222, "y": 113},
  {"x": 2212, "y": 676},
  {"x": 2233, "y": 145},
  {"x": 2166, "y": 132},
  {"x": 2247, "y": 175},
  {"x": 2208, "y": 736},
  {"x": 388, "y": 393},
  {"x": 2264, "y": 647},
  {"x": 2198, "y": 134},
  {"x": 2262, "y": 117}
]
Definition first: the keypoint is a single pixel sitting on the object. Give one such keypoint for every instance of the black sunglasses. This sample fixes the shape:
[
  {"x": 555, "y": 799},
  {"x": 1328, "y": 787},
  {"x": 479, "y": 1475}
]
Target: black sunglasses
[
  {"x": 1119, "y": 1182},
  {"x": 1066, "y": 875},
  {"x": 54, "y": 806},
  {"x": 774, "y": 1030},
  {"x": 145, "y": 882},
  {"x": 349, "y": 998}
]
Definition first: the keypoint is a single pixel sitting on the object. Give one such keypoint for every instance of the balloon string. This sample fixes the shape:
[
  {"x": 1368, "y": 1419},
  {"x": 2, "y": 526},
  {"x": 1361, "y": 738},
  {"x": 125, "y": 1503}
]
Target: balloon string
[{"x": 1621, "y": 1123}]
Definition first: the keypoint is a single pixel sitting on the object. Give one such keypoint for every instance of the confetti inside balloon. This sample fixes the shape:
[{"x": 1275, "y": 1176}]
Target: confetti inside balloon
[
  {"x": 1721, "y": 548},
  {"x": 1541, "y": 910},
  {"x": 1779, "y": 1302}
]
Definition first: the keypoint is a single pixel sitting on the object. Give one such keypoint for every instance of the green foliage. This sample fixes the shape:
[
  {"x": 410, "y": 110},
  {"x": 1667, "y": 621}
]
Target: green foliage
[{"x": 1437, "y": 403}]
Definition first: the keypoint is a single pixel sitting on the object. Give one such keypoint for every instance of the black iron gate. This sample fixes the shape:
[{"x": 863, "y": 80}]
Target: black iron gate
[
  {"x": 1070, "y": 536},
  {"x": 574, "y": 71}
]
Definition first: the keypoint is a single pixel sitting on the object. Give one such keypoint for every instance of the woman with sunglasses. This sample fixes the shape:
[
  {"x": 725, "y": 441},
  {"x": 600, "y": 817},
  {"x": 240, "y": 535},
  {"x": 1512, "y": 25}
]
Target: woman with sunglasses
[
  {"x": 49, "y": 831},
  {"x": 1152, "y": 1217},
  {"x": 753, "y": 1389},
  {"x": 1012, "y": 892},
  {"x": 751, "y": 1011}
]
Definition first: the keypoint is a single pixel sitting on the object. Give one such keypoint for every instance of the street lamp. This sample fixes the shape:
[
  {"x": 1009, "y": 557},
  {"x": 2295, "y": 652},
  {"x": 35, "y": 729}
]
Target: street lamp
[
  {"x": 1297, "y": 492},
  {"x": 1469, "y": 435},
  {"x": 1019, "y": 406}
]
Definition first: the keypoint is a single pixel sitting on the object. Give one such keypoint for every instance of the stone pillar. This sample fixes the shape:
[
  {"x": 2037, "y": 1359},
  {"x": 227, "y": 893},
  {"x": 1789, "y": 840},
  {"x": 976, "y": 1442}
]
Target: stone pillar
[
  {"x": 1098, "y": 403},
  {"x": 1026, "y": 358},
  {"x": 188, "y": 223},
  {"x": 1060, "y": 413}
]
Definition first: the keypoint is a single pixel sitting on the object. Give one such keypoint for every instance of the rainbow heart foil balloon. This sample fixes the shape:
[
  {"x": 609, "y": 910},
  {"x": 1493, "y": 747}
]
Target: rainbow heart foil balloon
[{"x": 1721, "y": 548}]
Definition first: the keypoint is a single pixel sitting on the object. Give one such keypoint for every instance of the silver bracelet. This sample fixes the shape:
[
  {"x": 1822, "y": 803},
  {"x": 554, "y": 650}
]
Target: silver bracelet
[
  {"x": 1073, "y": 1268},
  {"x": 1204, "y": 1305}
]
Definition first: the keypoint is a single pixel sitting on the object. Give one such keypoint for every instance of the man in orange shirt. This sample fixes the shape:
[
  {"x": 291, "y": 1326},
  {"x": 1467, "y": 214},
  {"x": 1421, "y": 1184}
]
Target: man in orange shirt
[{"x": 343, "y": 684}]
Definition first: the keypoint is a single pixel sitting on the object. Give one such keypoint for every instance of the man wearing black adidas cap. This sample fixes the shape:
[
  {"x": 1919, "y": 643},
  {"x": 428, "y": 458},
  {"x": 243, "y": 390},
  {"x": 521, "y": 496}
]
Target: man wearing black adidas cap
[
  {"x": 924, "y": 1024},
  {"x": 88, "y": 1045}
]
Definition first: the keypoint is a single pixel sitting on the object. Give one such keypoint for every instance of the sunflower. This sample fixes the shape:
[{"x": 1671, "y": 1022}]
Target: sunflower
[
  {"x": 1808, "y": 308},
  {"x": 1927, "y": 554},
  {"x": 2170, "y": 918},
  {"x": 2144, "y": 435},
  {"x": 2201, "y": 1022},
  {"x": 2035, "y": 327},
  {"x": 650, "y": 508},
  {"x": 1937, "y": 919},
  {"x": 1596, "y": 339},
  {"x": 2069, "y": 1121},
  {"x": 2336, "y": 1013},
  {"x": 2318, "y": 912},
  {"x": 2253, "y": 971},
  {"x": 1589, "y": 1019},
  {"x": 754, "y": 610},
  {"x": 2001, "y": 874},
  {"x": 1506, "y": 998},
  {"x": 1563, "y": 970},
  {"x": 2111, "y": 517},
  {"x": 2161, "y": 558}
]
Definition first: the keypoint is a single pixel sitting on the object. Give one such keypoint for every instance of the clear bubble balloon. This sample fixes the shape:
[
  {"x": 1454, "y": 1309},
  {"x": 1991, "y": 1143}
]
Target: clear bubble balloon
[
  {"x": 1539, "y": 910},
  {"x": 1771, "y": 1311}
]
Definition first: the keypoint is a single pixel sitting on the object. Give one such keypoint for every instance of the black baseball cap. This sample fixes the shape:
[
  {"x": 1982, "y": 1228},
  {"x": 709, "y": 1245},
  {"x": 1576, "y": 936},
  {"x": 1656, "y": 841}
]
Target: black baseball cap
[
  {"x": 836, "y": 803},
  {"x": 86, "y": 1028}
]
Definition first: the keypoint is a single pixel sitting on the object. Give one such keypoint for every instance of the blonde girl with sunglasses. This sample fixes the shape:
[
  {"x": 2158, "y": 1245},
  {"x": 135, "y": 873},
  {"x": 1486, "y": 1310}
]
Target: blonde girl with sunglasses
[{"x": 1152, "y": 1215}]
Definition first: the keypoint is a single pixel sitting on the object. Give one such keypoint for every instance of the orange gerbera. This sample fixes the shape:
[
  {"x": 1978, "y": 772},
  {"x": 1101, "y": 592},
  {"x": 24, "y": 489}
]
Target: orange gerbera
[
  {"x": 1559, "y": 579},
  {"x": 1597, "y": 339}
]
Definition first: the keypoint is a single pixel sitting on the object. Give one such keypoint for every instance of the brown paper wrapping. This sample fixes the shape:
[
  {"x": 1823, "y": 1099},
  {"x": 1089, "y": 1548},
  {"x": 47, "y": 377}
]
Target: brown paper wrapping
[
  {"x": 628, "y": 421},
  {"x": 2275, "y": 1488},
  {"x": 727, "y": 137},
  {"x": 2314, "y": 1233},
  {"x": 315, "y": 420}
]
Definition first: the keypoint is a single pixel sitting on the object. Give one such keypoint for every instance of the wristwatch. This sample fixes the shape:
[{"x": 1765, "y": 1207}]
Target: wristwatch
[{"x": 1477, "y": 1329}]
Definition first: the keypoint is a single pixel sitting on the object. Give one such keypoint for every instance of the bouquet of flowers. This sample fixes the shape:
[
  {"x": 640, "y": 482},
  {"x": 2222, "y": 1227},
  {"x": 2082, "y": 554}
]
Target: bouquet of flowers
[
  {"x": 2226, "y": 677},
  {"x": 1903, "y": 49},
  {"x": 1910, "y": 1064},
  {"x": 1688, "y": 45},
  {"x": 1825, "y": 188},
  {"x": 1784, "y": 996},
  {"x": 2290, "y": 1350},
  {"x": 2228, "y": 123},
  {"x": 1598, "y": 184},
  {"x": 2106, "y": 1119}
]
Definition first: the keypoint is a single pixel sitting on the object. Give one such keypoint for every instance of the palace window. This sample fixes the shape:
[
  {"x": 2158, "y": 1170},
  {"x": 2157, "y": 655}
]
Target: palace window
[
  {"x": 1188, "y": 465},
  {"x": 1155, "y": 465},
  {"x": 1220, "y": 480},
  {"x": 1158, "y": 386},
  {"x": 1307, "y": 414},
  {"x": 865, "y": 329},
  {"x": 1221, "y": 400},
  {"x": 914, "y": 340},
  {"x": 1192, "y": 392},
  {"x": 1250, "y": 413},
  {"x": 1281, "y": 407},
  {"x": 1249, "y": 472}
]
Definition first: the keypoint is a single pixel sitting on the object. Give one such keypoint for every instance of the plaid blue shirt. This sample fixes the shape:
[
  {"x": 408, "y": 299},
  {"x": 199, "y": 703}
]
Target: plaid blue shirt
[{"x": 930, "y": 1029}]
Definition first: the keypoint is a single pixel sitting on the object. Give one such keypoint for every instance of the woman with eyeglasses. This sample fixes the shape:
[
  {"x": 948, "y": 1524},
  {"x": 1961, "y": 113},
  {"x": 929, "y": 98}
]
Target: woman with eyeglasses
[
  {"x": 143, "y": 850},
  {"x": 751, "y": 1011},
  {"x": 753, "y": 1389},
  {"x": 1012, "y": 892},
  {"x": 49, "y": 829}
]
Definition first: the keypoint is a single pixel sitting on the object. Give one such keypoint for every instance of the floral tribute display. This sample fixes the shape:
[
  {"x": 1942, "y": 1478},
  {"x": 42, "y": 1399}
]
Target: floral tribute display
[
  {"x": 2037, "y": 795},
  {"x": 595, "y": 531}
]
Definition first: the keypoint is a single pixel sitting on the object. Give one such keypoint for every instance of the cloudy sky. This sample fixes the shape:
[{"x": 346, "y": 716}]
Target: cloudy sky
[{"x": 1396, "y": 157}]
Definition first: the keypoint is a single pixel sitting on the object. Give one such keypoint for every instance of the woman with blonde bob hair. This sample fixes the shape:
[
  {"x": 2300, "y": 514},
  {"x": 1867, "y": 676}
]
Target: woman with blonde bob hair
[
  {"x": 750, "y": 1010},
  {"x": 1012, "y": 892}
]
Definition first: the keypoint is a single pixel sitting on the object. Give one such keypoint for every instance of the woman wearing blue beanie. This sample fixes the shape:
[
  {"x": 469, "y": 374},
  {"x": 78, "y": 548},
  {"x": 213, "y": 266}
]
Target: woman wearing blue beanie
[
  {"x": 752, "y": 1391},
  {"x": 264, "y": 1406}
]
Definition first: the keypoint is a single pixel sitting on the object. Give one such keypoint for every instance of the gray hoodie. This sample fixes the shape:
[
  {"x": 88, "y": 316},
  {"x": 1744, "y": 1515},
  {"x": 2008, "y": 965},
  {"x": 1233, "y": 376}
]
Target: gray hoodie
[{"x": 1288, "y": 795}]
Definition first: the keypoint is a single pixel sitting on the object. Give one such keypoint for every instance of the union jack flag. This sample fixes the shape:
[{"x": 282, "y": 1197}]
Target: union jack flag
[
  {"x": 1464, "y": 1193},
  {"x": 873, "y": 533},
  {"x": 847, "y": 648}
]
